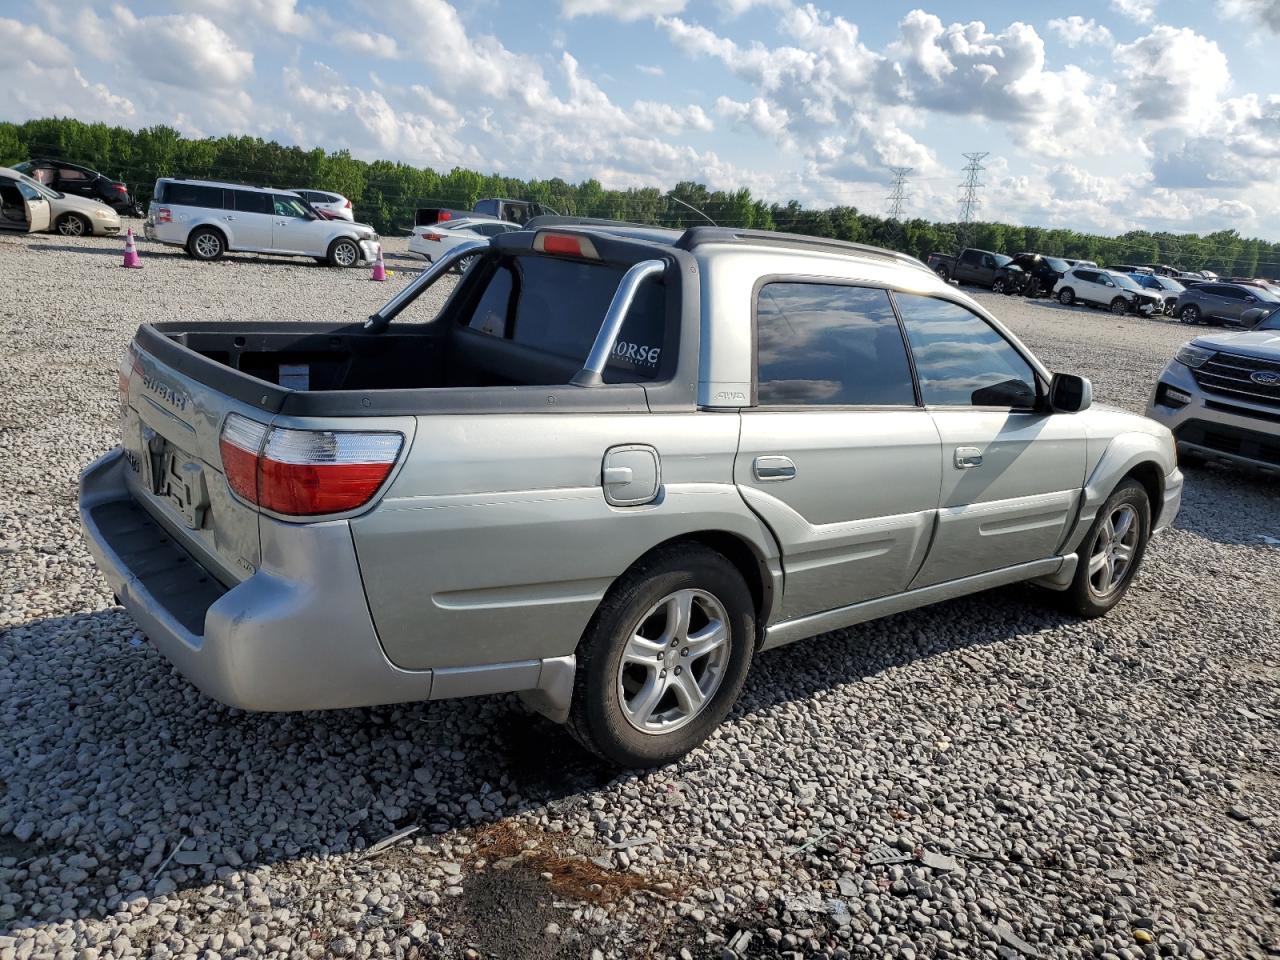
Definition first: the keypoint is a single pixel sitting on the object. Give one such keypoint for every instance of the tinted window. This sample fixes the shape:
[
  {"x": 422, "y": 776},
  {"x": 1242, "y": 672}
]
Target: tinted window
[
  {"x": 1233, "y": 293},
  {"x": 67, "y": 173},
  {"x": 558, "y": 305},
  {"x": 284, "y": 206},
  {"x": 820, "y": 343},
  {"x": 247, "y": 201},
  {"x": 193, "y": 195},
  {"x": 1088, "y": 276},
  {"x": 970, "y": 256},
  {"x": 960, "y": 359},
  {"x": 488, "y": 229}
]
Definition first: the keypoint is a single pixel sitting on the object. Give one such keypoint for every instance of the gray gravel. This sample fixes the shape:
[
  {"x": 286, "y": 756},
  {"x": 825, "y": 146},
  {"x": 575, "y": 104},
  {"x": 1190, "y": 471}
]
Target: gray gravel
[{"x": 984, "y": 778}]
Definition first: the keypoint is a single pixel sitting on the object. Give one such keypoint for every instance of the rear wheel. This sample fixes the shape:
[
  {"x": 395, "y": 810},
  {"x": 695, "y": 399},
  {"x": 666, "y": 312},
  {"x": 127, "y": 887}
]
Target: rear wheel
[
  {"x": 1112, "y": 551},
  {"x": 1066, "y": 296},
  {"x": 1119, "y": 306},
  {"x": 206, "y": 243},
  {"x": 664, "y": 657},
  {"x": 944, "y": 273},
  {"x": 73, "y": 225},
  {"x": 1190, "y": 314},
  {"x": 343, "y": 252}
]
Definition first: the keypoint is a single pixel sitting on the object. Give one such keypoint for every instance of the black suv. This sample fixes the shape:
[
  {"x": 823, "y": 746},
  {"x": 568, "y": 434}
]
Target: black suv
[
  {"x": 1031, "y": 274},
  {"x": 81, "y": 182}
]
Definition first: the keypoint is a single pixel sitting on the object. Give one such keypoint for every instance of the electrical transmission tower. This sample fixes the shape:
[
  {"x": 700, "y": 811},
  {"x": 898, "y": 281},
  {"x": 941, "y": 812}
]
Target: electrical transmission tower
[
  {"x": 969, "y": 200},
  {"x": 899, "y": 196}
]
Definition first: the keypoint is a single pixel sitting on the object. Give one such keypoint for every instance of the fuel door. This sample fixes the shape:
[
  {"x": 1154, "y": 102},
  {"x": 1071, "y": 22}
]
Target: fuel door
[{"x": 631, "y": 475}]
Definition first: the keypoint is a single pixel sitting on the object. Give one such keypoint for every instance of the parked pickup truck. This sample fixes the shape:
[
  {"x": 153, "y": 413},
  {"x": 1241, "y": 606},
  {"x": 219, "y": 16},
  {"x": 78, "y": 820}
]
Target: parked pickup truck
[
  {"x": 617, "y": 464},
  {"x": 972, "y": 266}
]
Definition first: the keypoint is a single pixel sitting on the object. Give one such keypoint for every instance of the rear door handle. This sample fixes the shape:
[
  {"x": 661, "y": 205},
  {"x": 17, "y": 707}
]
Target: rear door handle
[
  {"x": 968, "y": 457},
  {"x": 773, "y": 468}
]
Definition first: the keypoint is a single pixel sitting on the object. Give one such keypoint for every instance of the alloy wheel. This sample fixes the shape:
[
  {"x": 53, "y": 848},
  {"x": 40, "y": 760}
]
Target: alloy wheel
[
  {"x": 208, "y": 246},
  {"x": 346, "y": 254},
  {"x": 674, "y": 661},
  {"x": 1113, "y": 551},
  {"x": 71, "y": 227}
]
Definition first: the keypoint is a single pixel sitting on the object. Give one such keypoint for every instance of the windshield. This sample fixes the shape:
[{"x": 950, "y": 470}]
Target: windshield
[
  {"x": 1057, "y": 264},
  {"x": 1171, "y": 285},
  {"x": 1262, "y": 293},
  {"x": 1270, "y": 323},
  {"x": 1124, "y": 281},
  {"x": 40, "y": 188},
  {"x": 1002, "y": 260}
]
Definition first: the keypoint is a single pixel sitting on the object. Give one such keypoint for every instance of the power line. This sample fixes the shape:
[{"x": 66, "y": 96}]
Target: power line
[
  {"x": 969, "y": 200},
  {"x": 898, "y": 198}
]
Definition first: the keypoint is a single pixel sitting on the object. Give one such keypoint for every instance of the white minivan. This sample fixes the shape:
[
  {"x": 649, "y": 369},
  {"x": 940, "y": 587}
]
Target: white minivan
[{"x": 209, "y": 218}]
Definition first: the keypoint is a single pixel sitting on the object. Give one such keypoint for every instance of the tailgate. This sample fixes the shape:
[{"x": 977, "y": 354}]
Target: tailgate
[{"x": 170, "y": 424}]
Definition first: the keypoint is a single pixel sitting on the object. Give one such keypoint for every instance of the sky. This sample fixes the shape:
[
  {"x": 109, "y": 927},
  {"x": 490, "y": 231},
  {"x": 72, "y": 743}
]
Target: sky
[{"x": 1098, "y": 115}]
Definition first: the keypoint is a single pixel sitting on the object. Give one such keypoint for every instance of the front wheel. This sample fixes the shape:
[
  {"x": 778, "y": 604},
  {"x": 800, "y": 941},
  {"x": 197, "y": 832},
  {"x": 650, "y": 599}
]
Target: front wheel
[
  {"x": 1067, "y": 297},
  {"x": 664, "y": 657},
  {"x": 73, "y": 225},
  {"x": 998, "y": 286},
  {"x": 343, "y": 252},
  {"x": 1119, "y": 306},
  {"x": 1112, "y": 551}
]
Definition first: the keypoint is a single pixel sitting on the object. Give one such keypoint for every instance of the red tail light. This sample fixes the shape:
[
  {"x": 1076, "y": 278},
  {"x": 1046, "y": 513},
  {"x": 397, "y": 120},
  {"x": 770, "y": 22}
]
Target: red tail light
[
  {"x": 164, "y": 215},
  {"x": 304, "y": 473},
  {"x": 445, "y": 215},
  {"x": 348, "y": 204},
  {"x": 431, "y": 236},
  {"x": 119, "y": 188},
  {"x": 565, "y": 245}
]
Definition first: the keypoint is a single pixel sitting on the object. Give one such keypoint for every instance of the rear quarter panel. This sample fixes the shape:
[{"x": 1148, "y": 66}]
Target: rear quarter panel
[{"x": 495, "y": 542}]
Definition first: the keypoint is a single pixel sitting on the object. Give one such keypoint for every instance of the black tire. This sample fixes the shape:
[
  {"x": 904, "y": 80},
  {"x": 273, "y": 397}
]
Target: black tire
[
  {"x": 73, "y": 225},
  {"x": 1066, "y": 296},
  {"x": 1119, "y": 306},
  {"x": 1083, "y": 597},
  {"x": 1189, "y": 314},
  {"x": 597, "y": 718},
  {"x": 206, "y": 243},
  {"x": 343, "y": 252},
  {"x": 944, "y": 273}
]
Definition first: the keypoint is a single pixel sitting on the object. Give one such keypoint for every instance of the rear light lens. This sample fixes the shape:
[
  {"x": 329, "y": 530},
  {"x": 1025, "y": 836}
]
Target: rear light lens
[
  {"x": 119, "y": 188},
  {"x": 164, "y": 215},
  {"x": 348, "y": 204},
  {"x": 565, "y": 245},
  {"x": 431, "y": 236},
  {"x": 305, "y": 473},
  {"x": 445, "y": 215}
]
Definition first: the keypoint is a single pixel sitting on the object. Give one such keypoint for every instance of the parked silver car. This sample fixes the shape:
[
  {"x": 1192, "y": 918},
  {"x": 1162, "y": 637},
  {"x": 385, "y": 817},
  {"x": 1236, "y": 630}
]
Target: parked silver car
[
  {"x": 616, "y": 465},
  {"x": 209, "y": 218},
  {"x": 1220, "y": 395},
  {"x": 29, "y": 206}
]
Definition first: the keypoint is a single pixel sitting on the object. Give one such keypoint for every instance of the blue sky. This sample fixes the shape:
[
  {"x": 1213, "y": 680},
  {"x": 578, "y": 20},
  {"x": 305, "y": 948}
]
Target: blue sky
[{"x": 1098, "y": 114}]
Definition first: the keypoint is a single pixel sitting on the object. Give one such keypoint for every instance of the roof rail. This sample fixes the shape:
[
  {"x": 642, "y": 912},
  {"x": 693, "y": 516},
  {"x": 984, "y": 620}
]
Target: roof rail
[
  {"x": 696, "y": 236},
  {"x": 556, "y": 220}
]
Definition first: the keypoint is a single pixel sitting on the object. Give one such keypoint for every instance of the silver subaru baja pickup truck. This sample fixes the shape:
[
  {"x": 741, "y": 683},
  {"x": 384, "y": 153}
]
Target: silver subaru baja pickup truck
[{"x": 616, "y": 465}]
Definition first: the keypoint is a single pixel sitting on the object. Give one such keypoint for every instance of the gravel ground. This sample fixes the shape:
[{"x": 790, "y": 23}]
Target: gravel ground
[{"x": 983, "y": 778}]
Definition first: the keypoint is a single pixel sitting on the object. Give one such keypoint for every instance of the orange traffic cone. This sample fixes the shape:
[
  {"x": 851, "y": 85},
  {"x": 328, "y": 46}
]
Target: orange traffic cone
[
  {"x": 379, "y": 268},
  {"x": 131, "y": 258}
]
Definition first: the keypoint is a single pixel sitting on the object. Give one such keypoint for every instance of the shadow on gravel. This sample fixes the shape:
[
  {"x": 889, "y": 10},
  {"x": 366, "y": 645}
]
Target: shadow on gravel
[
  {"x": 1229, "y": 504},
  {"x": 124, "y": 758}
]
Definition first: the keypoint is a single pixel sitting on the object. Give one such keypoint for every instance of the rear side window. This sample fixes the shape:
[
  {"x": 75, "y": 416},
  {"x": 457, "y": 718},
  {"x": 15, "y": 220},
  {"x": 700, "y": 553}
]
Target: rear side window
[
  {"x": 960, "y": 359},
  {"x": 829, "y": 345},
  {"x": 250, "y": 201},
  {"x": 558, "y": 305},
  {"x": 192, "y": 195}
]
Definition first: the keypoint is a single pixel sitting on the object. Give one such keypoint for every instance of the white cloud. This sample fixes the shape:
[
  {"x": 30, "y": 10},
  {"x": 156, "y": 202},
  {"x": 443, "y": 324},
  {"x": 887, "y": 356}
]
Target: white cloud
[
  {"x": 282, "y": 16},
  {"x": 650, "y": 70},
  {"x": 1264, "y": 12},
  {"x": 197, "y": 53},
  {"x": 1174, "y": 77},
  {"x": 756, "y": 114},
  {"x": 1076, "y": 30},
  {"x": 373, "y": 44},
  {"x": 625, "y": 10},
  {"x": 27, "y": 42},
  {"x": 1139, "y": 11}
]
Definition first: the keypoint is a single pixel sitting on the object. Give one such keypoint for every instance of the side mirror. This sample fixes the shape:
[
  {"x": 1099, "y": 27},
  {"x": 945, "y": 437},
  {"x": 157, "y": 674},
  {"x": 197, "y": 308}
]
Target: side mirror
[
  {"x": 1253, "y": 316},
  {"x": 1069, "y": 393}
]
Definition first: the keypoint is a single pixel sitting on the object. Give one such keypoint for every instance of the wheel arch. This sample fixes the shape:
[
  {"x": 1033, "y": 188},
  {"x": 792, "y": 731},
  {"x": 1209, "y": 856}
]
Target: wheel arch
[
  {"x": 219, "y": 228},
  {"x": 747, "y": 557},
  {"x": 1139, "y": 456}
]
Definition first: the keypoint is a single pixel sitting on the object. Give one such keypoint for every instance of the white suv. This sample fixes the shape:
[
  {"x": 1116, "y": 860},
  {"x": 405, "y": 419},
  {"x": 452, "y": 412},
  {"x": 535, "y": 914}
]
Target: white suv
[
  {"x": 1105, "y": 288},
  {"x": 209, "y": 218}
]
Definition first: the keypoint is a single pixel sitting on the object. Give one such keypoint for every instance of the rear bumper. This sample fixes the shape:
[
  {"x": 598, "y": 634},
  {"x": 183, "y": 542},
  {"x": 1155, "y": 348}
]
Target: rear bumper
[{"x": 295, "y": 635}]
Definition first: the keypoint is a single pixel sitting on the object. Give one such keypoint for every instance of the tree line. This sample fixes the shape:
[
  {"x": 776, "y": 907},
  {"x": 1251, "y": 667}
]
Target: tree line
[{"x": 386, "y": 193}]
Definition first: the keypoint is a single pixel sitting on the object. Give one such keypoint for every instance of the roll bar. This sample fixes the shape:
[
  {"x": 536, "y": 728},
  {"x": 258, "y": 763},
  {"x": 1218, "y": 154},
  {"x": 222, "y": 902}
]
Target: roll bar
[
  {"x": 379, "y": 321},
  {"x": 592, "y": 372}
]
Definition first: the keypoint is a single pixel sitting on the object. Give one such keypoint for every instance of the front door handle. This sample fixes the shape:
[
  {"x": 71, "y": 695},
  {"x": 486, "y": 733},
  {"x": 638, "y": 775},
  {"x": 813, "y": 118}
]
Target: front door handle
[
  {"x": 773, "y": 468},
  {"x": 968, "y": 457}
]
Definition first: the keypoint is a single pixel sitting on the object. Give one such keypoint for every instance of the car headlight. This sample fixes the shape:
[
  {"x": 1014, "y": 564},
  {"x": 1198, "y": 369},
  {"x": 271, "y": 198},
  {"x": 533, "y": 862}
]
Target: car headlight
[{"x": 1192, "y": 355}]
